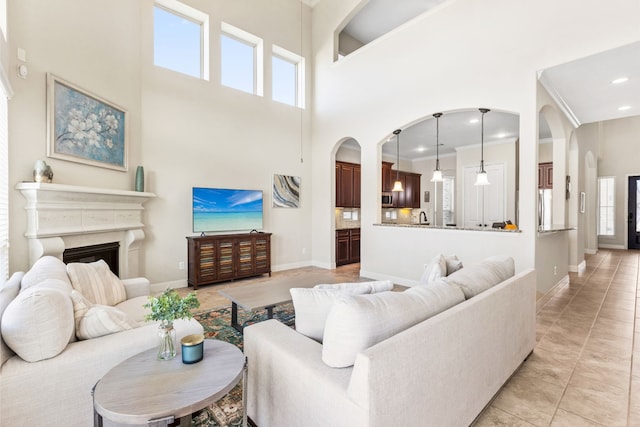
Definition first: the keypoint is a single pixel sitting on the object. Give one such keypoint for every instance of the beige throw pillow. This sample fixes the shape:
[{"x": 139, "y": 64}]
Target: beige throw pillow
[
  {"x": 93, "y": 320},
  {"x": 97, "y": 283},
  {"x": 355, "y": 323}
]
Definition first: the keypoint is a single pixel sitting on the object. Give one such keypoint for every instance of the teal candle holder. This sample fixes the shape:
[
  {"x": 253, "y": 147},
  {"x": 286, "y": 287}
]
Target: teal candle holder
[{"x": 192, "y": 348}]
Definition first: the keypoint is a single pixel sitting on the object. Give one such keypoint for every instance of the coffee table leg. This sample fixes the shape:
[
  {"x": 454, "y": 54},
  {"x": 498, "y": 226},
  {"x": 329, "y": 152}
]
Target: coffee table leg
[
  {"x": 245, "y": 374},
  {"x": 270, "y": 311},
  {"x": 97, "y": 418},
  {"x": 234, "y": 317}
]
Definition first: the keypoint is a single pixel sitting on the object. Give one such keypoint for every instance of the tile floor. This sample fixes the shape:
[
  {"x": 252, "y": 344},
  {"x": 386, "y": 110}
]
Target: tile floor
[{"x": 582, "y": 371}]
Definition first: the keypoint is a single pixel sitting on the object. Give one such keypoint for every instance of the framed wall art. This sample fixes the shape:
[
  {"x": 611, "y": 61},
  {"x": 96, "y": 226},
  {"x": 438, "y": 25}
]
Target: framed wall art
[
  {"x": 286, "y": 191},
  {"x": 85, "y": 128}
]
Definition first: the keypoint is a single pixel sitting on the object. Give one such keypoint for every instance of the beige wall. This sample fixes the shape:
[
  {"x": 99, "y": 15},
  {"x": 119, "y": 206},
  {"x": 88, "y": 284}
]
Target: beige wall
[
  {"x": 619, "y": 142},
  {"x": 186, "y": 132}
]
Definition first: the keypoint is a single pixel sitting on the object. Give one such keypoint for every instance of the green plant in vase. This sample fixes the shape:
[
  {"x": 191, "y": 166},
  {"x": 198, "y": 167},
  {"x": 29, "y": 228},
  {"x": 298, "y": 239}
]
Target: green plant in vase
[{"x": 166, "y": 308}]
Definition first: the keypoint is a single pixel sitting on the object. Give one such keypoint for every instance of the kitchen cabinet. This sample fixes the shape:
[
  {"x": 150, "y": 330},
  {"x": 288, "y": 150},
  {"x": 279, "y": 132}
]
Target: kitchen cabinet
[
  {"x": 347, "y": 185},
  {"x": 387, "y": 181},
  {"x": 484, "y": 204},
  {"x": 347, "y": 246},
  {"x": 545, "y": 175},
  {"x": 410, "y": 197}
]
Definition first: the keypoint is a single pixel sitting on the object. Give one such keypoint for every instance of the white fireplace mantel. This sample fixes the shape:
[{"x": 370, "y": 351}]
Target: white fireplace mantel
[{"x": 68, "y": 216}]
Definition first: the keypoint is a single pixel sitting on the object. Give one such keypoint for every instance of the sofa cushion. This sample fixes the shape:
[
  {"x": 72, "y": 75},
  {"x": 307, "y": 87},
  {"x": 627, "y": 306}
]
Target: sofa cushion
[
  {"x": 8, "y": 291},
  {"x": 134, "y": 308},
  {"x": 434, "y": 270},
  {"x": 453, "y": 264},
  {"x": 312, "y": 305},
  {"x": 482, "y": 275},
  {"x": 355, "y": 323},
  {"x": 94, "y": 320},
  {"x": 47, "y": 267},
  {"x": 376, "y": 285},
  {"x": 38, "y": 323},
  {"x": 96, "y": 282}
]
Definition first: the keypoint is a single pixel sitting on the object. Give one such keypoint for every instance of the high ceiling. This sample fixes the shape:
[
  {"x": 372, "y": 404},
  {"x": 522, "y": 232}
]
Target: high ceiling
[{"x": 582, "y": 88}]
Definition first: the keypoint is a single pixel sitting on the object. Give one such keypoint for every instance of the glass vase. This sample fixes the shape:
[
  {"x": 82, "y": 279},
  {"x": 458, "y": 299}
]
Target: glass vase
[{"x": 167, "y": 343}]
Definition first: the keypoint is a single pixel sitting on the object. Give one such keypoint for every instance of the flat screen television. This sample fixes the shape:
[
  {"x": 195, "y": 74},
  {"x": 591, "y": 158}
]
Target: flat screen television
[{"x": 226, "y": 209}]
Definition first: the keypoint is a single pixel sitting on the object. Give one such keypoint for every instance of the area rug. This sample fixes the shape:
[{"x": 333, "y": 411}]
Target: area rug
[{"x": 217, "y": 325}]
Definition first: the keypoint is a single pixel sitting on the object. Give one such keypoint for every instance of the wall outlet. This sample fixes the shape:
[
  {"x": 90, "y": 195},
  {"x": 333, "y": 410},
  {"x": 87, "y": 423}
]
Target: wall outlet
[
  {"x": 181, "y": 265},
  {"x": 304, "y": 251},
  {"x": 555, "y": 270}
]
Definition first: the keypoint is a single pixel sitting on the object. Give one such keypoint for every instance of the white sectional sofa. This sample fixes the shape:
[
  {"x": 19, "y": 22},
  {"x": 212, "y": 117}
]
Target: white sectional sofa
[
  {"x": 440, "y": 371},
  {"x": 50, "y": 385}
]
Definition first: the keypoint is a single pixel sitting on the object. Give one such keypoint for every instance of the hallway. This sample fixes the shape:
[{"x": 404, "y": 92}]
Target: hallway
[{"x": 585, "y": 369}]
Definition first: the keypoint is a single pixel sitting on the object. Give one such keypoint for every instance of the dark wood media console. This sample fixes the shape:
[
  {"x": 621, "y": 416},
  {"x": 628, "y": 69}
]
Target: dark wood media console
[{"x": 223, "y": 257}]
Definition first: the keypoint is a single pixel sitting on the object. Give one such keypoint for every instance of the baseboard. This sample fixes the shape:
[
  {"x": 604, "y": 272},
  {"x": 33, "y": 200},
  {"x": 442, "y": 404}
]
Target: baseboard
[
  {"x": 591, "y": 251},
  {"x": 612, "y": 246},
  {"x": 282, "y": 267},
  {"x": 159, "y": 287},
  {"x": 578, "y": 268}
]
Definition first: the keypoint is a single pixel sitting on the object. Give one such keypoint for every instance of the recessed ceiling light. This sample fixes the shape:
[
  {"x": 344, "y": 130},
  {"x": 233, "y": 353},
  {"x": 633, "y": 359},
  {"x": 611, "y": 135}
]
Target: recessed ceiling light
[
  {"x": 624, "y": 108},
  {"x": 501, "y": 135},
  {"x": 474, "y": 120},
  {"x": 619, "y": 80},
  {"x": 421, "y": 149}
]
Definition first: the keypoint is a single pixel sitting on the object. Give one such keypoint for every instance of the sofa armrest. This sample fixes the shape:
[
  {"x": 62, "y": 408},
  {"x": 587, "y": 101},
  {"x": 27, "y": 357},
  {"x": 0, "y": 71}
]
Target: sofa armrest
[
  {"x": 137, "y": 287},
  {"x": 288, "y": 384}
]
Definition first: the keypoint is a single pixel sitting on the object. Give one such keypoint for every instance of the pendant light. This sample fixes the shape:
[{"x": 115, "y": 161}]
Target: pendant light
[
  {"x": 397, "y": 186},
  {"x": 481, "y": 178},
  {"x": 437, "y": 173}
]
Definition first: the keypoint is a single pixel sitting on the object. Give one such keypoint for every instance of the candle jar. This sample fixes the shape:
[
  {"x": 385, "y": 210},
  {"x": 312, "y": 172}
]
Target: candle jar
[{"x": 192, "y": 348}]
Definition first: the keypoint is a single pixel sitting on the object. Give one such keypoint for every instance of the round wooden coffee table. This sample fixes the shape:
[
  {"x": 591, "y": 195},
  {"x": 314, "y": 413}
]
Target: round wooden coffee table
[{"x": 145, "y": 390}]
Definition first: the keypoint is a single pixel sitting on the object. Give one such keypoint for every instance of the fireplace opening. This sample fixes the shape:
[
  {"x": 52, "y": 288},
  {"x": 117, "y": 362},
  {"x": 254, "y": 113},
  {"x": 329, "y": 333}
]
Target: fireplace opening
[{"x": 106, "y": 251}]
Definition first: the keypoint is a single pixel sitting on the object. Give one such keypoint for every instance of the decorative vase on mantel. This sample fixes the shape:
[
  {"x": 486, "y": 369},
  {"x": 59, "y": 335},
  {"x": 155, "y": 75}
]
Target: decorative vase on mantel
[
  {"x": 139, "y": 184},
  {"x": 167, "y": 342}
]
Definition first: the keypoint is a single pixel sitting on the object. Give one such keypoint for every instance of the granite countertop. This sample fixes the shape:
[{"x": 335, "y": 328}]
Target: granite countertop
[
  {"x": 554, "y": 228},
  {"x": 448, "y": 227}
]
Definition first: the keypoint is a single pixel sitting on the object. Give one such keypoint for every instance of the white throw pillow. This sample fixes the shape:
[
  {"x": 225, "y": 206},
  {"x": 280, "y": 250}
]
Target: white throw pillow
[
  {"x": 482, "y": 275},
  {"x": 96, "y": 282},
  {"x": 47, "y": 267},
  {"x": 376, "y": 285},
  {"x": 93, "y": 320},
  {"x": 434, "y": 270},
  {"x": 355, "y": 323},
  {"x": 8, "y": 291},
  {"x": 453, "y": 264},
  {"x": 312, "y": 306},
  {"x": 38, "y": 323}
]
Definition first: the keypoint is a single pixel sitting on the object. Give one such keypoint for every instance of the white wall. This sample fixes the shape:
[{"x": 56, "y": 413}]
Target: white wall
[
  {"x": 463, "y": 55},
  {"x": 186, "y": 132}
]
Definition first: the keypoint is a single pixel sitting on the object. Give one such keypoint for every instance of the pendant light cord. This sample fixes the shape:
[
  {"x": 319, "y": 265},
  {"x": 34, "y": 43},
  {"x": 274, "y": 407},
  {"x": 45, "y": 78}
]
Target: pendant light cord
[{"x": 483, "y": 111}]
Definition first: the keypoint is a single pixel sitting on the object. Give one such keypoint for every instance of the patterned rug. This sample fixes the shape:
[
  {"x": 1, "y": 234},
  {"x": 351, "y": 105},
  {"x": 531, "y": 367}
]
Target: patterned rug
[{"x": 217, "y": 325}]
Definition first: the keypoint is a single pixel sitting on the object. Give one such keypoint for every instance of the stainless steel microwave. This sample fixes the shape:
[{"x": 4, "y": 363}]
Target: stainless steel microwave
[{"x": 387, "y": 199}]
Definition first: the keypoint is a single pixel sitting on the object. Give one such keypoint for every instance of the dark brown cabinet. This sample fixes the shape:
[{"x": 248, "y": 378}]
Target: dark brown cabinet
[
  {"x": 347, "y": 185},
  {"x": 347, "y": 246},
  {"x": 226, "y": 257},
  {"x": 410, "y": 197},
  {"x": 545, "y": 175}
]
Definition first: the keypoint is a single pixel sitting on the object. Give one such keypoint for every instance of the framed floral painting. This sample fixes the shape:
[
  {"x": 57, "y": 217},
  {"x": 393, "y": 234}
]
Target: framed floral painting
[{"x": 85, "y": 128}]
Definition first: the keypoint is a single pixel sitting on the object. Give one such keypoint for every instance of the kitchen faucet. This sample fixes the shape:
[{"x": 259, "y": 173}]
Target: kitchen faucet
[{"x": 423, "y": 214}]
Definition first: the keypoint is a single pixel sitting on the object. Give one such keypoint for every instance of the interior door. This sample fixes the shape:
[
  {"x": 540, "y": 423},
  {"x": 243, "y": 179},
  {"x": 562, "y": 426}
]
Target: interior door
[{"x": 633, "y": 213}]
